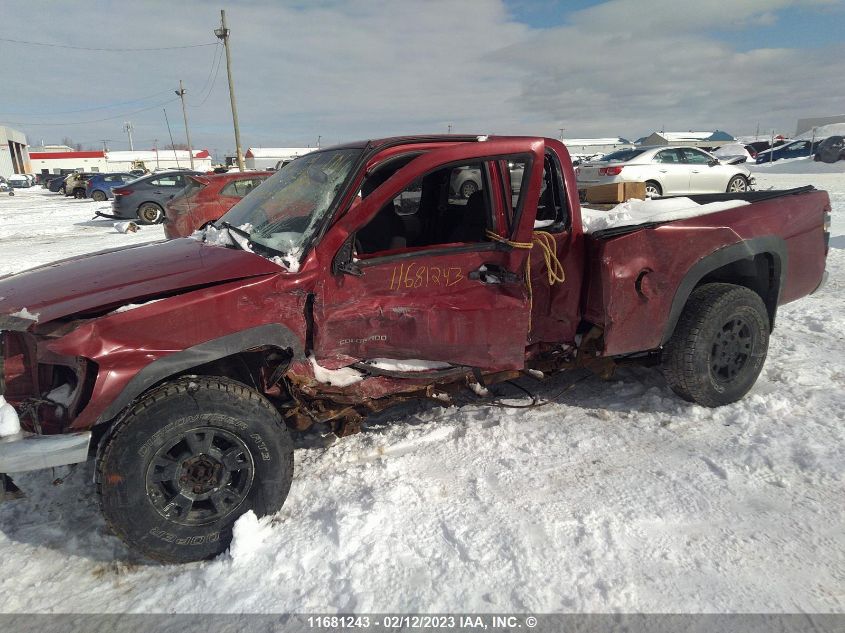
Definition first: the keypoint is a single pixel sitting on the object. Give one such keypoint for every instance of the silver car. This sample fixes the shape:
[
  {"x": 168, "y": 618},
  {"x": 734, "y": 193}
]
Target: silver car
[{"x": 666, "y": 171}]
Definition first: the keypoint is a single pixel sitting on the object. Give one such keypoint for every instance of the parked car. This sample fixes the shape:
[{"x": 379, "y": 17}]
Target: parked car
[
  {"x": 206, "y": 198},
  {"x": 465, "y": 181},
  {"x": 795, "y": 149},
  {"x": 830, "y": 150},
  {"x": 19, "y": 181},
  {"x": 75, "y": 183},
  {"x": 5, "y": 186},
  {"x": 732, "y": 154},
  {"x": 185, "y": 365},
  {"x": 666, "y": 171},
  {"x": 99, "y": 186},
  {"x": 45, "y": 179},
  {"x": 144, "y": 199},
  {"x": 58, "y": 184}
]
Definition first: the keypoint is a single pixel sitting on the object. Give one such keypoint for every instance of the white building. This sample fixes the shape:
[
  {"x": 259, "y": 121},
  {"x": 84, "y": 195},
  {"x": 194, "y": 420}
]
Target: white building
[
  {"x": 14, "y": 157},
  {"x": 161, "y": 159},
  {"x": 268, "y": 157},
  {"x": 715, "y": 138},
  {"x": 58, "y": 162}
]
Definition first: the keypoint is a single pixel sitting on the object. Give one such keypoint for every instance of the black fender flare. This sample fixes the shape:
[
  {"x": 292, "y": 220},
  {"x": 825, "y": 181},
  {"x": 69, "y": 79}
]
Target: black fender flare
[
  {"x": 272, "y": 334},
  {"x": 768, "y": 244}
]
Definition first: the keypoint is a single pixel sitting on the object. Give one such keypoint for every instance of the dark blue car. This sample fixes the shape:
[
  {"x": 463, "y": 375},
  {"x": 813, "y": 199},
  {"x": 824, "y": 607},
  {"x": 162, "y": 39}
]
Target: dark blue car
[
  {"x": 795, "y": 149},
  {"x": 99, "y": 187}
]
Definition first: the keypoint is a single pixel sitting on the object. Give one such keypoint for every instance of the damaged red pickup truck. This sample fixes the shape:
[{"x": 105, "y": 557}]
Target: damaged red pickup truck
[{"x": 356, "y": 277}]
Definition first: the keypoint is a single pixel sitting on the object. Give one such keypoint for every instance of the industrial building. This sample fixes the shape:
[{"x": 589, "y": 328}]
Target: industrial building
[
  {"x": 716, "y": 138},
  {"x": 268, "y": 157},
  {"x": 63, "y": 161},
  {"x": 14, "y": 157}
]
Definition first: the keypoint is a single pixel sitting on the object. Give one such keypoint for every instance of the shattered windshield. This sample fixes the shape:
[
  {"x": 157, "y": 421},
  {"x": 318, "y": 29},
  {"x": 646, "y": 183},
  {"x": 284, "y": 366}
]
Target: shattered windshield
[{"x": 285, "y": 211}]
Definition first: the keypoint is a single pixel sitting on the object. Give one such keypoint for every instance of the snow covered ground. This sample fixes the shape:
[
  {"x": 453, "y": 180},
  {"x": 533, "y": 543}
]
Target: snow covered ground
[{"x": 617, "y": 496}]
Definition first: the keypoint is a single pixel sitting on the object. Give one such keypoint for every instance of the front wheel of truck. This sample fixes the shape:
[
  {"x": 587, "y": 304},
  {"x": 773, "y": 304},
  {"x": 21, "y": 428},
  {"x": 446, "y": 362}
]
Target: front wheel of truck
[
  {"x": 719, "y": 345},
  {"x": 186, "y": 461}
]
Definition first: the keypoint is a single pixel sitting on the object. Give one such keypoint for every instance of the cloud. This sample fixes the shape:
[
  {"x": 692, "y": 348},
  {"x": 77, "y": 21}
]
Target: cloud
[{"x": 365, "y": 69}]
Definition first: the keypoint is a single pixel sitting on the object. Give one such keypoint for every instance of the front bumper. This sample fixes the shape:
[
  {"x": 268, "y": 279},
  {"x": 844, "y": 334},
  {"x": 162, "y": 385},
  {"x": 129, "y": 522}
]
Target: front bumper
[{"x": 25, "y": 451}]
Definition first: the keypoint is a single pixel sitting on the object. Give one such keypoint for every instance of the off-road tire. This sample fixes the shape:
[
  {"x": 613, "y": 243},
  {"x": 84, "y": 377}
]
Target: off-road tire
[
  {"x": 653, "y": 187},
  {"x": 136, "y": 505},
  {"x": 99, "y": 196},
  {"x": 737, "y": 184},
  {"x": 150, "y": 213},
  {"x": 719, "y": 345}
]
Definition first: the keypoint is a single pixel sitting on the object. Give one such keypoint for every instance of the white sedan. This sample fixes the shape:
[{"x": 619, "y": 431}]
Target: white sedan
[{"x": 666, "y": 171}]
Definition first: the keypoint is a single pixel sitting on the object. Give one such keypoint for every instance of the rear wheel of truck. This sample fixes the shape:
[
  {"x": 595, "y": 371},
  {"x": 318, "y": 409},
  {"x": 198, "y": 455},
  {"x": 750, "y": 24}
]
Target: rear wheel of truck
[
  {"x": 719, "y": 345},
  {"x": 186, "y": 461}
]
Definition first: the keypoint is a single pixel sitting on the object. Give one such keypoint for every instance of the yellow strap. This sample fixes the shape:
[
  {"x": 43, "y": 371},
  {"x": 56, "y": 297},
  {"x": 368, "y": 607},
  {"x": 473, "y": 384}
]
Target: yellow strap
[{"x": 547, "y": 244}]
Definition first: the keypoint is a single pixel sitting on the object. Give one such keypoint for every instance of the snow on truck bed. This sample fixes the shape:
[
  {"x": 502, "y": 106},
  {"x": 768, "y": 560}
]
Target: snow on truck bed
[
  {"x": 635, "y": 212},
  {"x": 618, "y": 496}
]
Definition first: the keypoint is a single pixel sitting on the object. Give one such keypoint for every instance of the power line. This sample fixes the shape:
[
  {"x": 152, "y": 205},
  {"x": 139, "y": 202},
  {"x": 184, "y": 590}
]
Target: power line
[
  {"x": 108, "y": 118},
  {"x": 102, "y": 107},
  {"x": 210, "y": 70},
  {"x": 115, "y": 50},
  {"x": 216, "y": 71}
]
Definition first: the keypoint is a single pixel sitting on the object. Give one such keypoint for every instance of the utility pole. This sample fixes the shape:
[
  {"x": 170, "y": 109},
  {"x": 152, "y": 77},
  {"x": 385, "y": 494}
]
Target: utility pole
[
  {"x": 449, "y": 129},
  {"x": 318, "y": 141},
  {"x": 181, "y": 93},
  {"x": 222, "y": 33},
  {"x": 155, "y": 147},
  {"x": 560, "y": 138},
  {"x": 105, "y": 146},
  {"x": 127, "y": 127}
]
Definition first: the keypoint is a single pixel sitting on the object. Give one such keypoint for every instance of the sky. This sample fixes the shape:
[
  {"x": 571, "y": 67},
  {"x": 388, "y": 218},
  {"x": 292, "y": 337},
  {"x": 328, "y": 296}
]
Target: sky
[{"x": 309, "y": 70}]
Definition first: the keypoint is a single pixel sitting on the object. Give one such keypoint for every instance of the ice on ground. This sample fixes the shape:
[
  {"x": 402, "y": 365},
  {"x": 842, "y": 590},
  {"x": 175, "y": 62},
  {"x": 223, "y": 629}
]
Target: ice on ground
[
  {"x": 634, "y": 212},
  {"x": 390, "y": 364},
  {"x": 9, "y": 422},
  {"x": 335, "y": 377}
]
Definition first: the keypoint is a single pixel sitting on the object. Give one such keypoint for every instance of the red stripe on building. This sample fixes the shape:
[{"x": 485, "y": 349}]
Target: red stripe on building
[{"x": 54, "y": 155}]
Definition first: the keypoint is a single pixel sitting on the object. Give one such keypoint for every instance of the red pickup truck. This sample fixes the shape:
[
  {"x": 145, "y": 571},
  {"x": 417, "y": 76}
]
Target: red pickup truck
[{"x": 357, "y": 277}]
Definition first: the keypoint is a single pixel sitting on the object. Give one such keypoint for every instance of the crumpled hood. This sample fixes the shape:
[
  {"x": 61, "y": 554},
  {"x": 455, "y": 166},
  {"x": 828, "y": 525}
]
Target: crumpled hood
[{"x": 113, "y": 278}]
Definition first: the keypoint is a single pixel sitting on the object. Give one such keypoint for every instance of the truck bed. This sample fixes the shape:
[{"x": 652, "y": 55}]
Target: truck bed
[{"x": 638, "y": 278}]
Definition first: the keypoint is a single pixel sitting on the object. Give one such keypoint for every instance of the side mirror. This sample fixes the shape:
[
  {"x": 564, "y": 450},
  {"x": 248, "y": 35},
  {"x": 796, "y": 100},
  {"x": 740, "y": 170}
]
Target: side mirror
[
  {"x": 343, "y": 263},
  {"x": 713, "y": 162}
]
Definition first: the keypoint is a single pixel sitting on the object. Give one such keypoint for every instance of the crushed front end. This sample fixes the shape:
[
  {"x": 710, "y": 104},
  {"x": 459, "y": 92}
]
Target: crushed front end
[{"x": 45, "y": 391}]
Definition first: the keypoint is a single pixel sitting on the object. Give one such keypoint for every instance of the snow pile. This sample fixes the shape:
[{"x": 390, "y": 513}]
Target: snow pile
[
  {"x": 23, "y": 313},
  {"x": 822, "y": 131},
  {"x": 412, "y": 364},
  {"x": 634, "y": 212},
  {"x": 248, "y": 535},
  {"x": 805, "y": 165},
  {"x": 335, "y": 377},
  {"x": 9, "y": 422}
]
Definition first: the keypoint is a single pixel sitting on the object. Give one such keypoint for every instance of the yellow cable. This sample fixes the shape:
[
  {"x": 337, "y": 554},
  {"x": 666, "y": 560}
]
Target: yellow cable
[{"x": 547, "y": 244}]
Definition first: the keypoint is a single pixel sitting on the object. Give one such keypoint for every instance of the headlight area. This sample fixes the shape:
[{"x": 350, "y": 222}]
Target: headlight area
[{"x": 47, "y": 390}]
